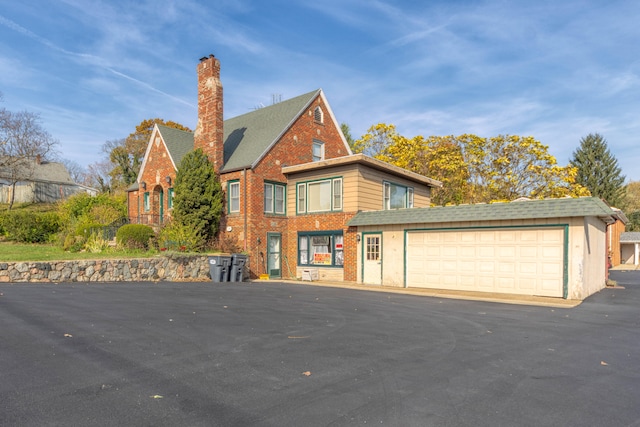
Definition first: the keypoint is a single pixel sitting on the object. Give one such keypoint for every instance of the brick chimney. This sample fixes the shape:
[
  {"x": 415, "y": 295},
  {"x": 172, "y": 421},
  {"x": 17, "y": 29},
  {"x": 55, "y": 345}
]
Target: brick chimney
[{"x": 209, "y": 134}]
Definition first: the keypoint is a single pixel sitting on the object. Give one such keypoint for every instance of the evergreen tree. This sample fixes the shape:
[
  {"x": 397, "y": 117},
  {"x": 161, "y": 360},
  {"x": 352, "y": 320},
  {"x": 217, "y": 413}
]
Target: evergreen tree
[
  {"x": 598, "y": 170},
  {"x": 198, "y": 197}
]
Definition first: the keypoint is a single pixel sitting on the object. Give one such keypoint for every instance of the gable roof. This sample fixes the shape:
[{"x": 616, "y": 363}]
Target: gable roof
[
  {"x": 247, "y": 138},
  {"x": 54, "y": 172},
  {"x": 178, "y": 142},
  {"x": 532, "y": 209}
]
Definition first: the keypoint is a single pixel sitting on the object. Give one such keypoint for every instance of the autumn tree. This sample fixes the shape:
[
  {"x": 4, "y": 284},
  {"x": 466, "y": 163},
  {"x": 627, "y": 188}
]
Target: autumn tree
[
  {"x": 126, "y": 154},
  {"x": 473, "y": 169},
  {"x": 506, "y": 167},
  {"x": 23, "y": 142},
  {"x": 198, "y": 197},
  {"x": 632, "y": 205},
  {"x": 598, "y": 169}
]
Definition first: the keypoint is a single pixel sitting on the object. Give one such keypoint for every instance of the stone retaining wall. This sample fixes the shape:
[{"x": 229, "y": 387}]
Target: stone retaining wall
[{"x": 170, "y": 268}]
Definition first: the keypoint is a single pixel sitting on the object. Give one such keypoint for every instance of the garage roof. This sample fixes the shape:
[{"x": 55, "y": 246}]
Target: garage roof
[
  {"x": 527, "y": 209},
  {"x": 630, "y": 237}
]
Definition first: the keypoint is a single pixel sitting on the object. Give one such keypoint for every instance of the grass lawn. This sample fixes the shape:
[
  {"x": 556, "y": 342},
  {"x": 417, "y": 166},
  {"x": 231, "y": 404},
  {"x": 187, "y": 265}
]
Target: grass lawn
[{"x": 32, "y": 252}]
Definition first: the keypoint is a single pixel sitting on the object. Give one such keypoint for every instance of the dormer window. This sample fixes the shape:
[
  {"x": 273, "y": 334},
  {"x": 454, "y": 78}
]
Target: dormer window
[
  {"x": 318, "y": 115},
  {"x": 318, "y": 151}
]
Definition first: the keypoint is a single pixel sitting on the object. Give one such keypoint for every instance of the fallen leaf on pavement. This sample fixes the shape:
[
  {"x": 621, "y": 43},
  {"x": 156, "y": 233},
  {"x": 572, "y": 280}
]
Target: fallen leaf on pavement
[
  {"x": 68, "y": 335},
  {"x": 603, "y": 363},
  {"x": 156, "y": 396},
  {"x": 307, "y": 373}
]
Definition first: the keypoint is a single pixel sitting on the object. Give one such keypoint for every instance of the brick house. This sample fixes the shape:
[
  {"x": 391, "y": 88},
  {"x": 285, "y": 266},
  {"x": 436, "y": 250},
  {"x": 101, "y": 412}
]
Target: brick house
[{"x": 290, "y": 179}]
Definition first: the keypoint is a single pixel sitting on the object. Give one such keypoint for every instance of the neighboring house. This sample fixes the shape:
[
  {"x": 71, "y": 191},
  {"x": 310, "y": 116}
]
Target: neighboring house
[
  {"x": 614, "y": 231},
  {"x": 630, "y": 248},
  {"x": 302, "y": 205},
  {"x": 290, "y": 179},
  {"x": 552, "y": 247},
  {"x": 48, "y": 182}
]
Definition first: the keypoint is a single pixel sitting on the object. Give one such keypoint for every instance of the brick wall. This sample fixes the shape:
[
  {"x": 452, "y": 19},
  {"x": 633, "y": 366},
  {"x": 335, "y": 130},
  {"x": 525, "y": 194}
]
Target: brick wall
[
  {"x": 157, "y": 167},
  {"x": 295, "y": 147}
]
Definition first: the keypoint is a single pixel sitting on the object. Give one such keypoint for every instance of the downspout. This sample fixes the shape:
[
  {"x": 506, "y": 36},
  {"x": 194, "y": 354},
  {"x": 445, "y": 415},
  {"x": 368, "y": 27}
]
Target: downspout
[{"x": 246, "y": 228}]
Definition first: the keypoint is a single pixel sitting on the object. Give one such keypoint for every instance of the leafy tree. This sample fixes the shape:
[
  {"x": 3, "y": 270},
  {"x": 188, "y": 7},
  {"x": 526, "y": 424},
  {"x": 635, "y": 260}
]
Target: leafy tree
[
  {"x": 506, "y": 167},
  {"x": 23, "y": 140},
  {"x": 346, "y": 131},
  {"x": 598, "y": 169},
  {"x": 473, "y": 169},
  {"x": 376, "y": 140},
  {"x": 126, "y": 154},
  {"x": 632, "y": 205},
  {"x": 198, "y": 197},
  {"x": 632, "y": 196}
]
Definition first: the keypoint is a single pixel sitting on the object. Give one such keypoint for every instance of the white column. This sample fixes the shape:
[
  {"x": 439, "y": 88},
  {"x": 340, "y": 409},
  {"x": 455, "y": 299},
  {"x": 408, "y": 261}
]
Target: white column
[{"x": 637, "y": 254}]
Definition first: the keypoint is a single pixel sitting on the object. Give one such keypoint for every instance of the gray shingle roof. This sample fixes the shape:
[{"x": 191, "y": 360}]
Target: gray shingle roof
[
  {"x": 246, "y": 137},
  {"x": 178, "y": 142},
  {"x": 630, "y": 237},
  {"x": 531, "y": 209},
  {"x": 46, "y": 172}
]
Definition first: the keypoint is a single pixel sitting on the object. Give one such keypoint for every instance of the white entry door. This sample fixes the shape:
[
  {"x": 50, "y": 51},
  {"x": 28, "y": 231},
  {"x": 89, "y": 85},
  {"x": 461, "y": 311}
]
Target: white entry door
[{"x": 372, "y": 259}]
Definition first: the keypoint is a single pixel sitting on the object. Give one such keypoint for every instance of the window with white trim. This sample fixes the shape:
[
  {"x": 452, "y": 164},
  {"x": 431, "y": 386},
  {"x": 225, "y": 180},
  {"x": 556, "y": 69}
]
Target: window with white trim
[
  {"x": 233, "y": 188},
  {"x": 318, "y": 151},
  {"x": 318, "y": 115},
  {"x": 397, "y": 196},
  {"x": 147, "y": 204},
  {"x": 274, "y": 195},
  {"x": 320, "y": 196}
]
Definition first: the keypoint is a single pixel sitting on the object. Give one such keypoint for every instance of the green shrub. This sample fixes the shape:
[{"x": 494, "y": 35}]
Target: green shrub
[
  {"x": 180, "y": 237},
  {"x": 30, "y": 227},
  {"x": 134, "y": 236},
  {"x": 96, "y": 243}
]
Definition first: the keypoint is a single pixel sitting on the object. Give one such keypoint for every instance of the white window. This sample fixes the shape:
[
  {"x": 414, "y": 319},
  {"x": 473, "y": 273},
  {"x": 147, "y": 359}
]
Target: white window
[
  {"x": 318, "y": 151},
  {"x": 337, "y": 194},
  {"x": 318, "y": 115},
  {"x": 302, "y": 198},
  {"x": 274, "y": 198},
  {"x": 234, "y": 196},
  {"x": 397, "y": 196},
  {"x": 147, "y": 206},
  {"x": 279, "y": 199},
  {"x": 319, "y": 196}
]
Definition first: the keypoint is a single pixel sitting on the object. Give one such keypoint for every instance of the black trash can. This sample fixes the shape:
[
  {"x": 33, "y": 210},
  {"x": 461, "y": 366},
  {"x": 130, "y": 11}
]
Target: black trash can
[
  {"x": 219, "y": 268},
  {"x": 238, "y": 262}
]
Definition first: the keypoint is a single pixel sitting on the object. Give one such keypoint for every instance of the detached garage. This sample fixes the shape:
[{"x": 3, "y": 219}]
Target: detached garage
[{"x": 553, "y": 248}]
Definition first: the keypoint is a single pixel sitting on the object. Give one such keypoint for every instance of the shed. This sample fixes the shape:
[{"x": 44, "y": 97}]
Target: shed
[
  {"x": 551, "y": 247},
  {"x": 630, "y": 248}
]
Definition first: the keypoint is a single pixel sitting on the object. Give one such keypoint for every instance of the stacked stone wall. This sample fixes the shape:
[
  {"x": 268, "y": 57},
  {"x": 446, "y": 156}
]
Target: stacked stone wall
[{"x": 171, "y": 268}]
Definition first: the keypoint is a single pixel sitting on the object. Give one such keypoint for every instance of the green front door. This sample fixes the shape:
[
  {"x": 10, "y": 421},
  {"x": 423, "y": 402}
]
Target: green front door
[{"x": 274, "y": 249}]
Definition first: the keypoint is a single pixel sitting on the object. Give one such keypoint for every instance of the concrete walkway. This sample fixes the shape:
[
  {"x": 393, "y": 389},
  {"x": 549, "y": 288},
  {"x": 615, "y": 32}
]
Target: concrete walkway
[{"x": 444, "y": 293}]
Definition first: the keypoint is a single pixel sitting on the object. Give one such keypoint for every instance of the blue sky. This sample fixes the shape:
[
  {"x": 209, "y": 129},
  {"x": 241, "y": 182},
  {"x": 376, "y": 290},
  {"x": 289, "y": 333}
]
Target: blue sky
[{"x": 555, "y": 70}]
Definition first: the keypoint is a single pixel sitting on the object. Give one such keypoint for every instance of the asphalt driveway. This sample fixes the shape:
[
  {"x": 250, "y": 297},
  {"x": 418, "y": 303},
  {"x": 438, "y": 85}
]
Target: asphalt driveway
[{"x": 274, "y": 354}]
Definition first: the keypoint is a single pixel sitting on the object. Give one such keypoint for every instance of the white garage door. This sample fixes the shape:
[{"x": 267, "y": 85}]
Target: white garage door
[{"x": 525, "y": 261}]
